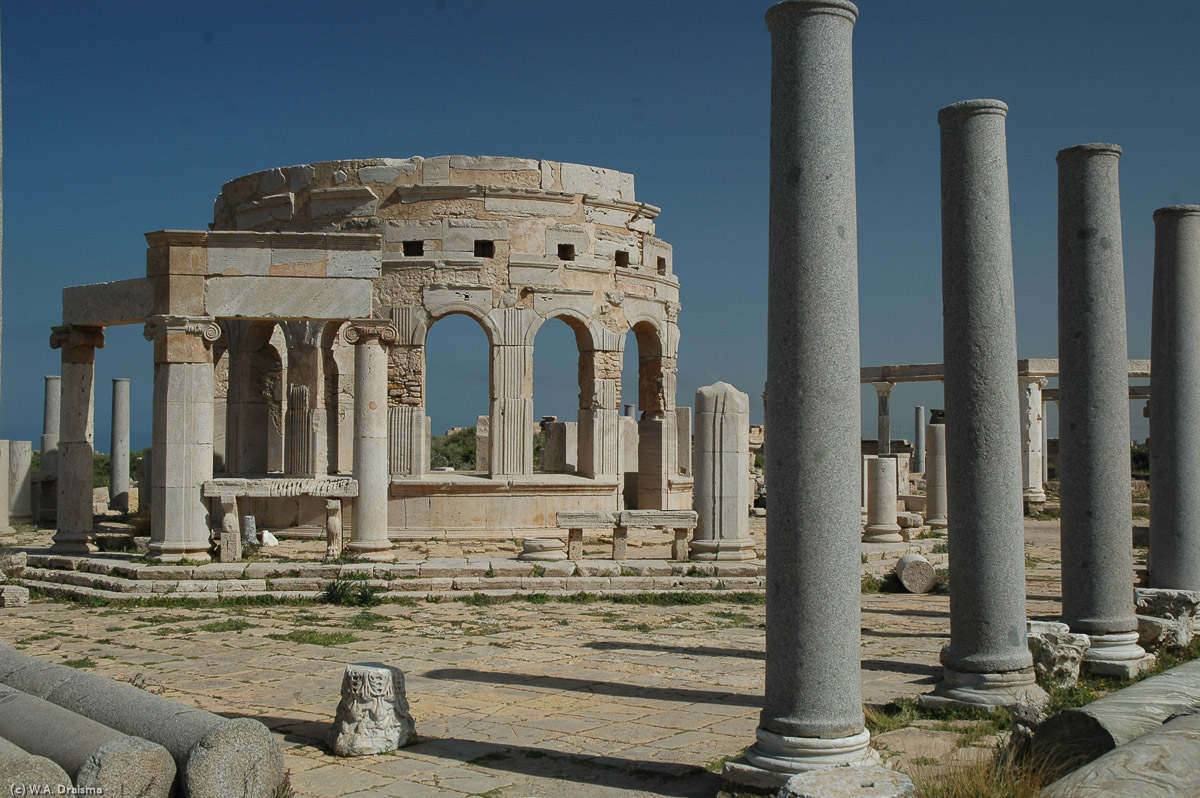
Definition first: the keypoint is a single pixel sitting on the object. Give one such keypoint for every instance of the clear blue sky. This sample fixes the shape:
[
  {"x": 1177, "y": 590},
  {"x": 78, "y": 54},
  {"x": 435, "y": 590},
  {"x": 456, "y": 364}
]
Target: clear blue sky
[{"x": 121, "y": 118}]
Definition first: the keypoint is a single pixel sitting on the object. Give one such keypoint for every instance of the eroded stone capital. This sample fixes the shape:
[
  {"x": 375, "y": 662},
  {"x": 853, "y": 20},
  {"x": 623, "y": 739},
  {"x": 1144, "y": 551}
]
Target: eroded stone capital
[
  {"x": 77, "y": 342},
  {"x": 182, "y": 339},
  {"x": 360, "y": 331}
]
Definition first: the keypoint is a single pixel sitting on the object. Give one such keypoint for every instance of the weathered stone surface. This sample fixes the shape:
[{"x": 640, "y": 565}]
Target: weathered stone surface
[
  {"x": 586, "y": 519},
  {"x": 1159, "y": 764},
  {"x": 12, "y": 563},
  {"x": 18, "y": 766},
  {"x": 916, "y": 573},
  {"x": 14, "y": 596},
  {"x": 214, "y": 756},
  {"x": 722, "y": 492},
  {"x": 1084, "y": 733},
  {"x": 372, "y": 717},
  {"x": 1177, "y": 607},
  {"x": 287, "y": 298},
  {"x": 94, "y": 755},
  {"x": 388, "y": 170},
  {"x": 548, "y": 549},
  {"x": 849, "y": 782},
  {"x": 1057, "y": 652}
]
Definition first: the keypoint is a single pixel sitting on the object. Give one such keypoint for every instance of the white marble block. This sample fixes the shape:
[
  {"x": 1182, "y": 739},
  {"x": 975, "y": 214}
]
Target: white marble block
[{"x": 372, "y": 717}]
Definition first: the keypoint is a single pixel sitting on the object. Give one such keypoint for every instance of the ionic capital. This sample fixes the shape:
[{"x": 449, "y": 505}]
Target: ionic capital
[
  {"x": 73, "y": 336},
  {"x": 883, "y": 389},
  {"x": 205, "y": 327},
  {"x": 360, "y": 331}
]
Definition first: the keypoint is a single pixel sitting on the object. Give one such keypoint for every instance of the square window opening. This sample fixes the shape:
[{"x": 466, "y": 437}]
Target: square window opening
[
  {"x": 662, "y": 265},
  {"x": 622, "y": 257},
  {"x": 414, "y": 249},
  {"x": 566, "y": 252},
  {"x": 485, "y": 249}
]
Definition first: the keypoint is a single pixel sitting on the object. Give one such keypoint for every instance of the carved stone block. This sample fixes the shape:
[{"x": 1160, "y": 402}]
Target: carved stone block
[{"x": 372, "y": 717}]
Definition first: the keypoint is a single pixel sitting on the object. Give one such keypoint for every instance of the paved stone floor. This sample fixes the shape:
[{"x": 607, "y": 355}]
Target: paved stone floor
[{"x": 510, "y": 700}]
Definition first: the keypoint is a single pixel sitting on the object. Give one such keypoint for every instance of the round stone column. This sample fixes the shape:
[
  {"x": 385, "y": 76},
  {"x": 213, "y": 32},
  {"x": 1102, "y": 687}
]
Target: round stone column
[
  {"x": 918, "y": 461},
  {"x": 986, "y": 663},
  {"x": 935, "y": 471},
  {"x": 722, "y": 488},
  {"x": 1093, "y": 402},
  {"x": 1175, "y": 386},
  {"x": 368, "y": 535},
  {"x": 118, "y": 488},
  {"x": 51, "y": 405},
  {"x": 883, "y": 442},
  {"x": 881, "y": 524},
  {"x": 74, "y": 534},
  {"x": 812, "y": 707}
]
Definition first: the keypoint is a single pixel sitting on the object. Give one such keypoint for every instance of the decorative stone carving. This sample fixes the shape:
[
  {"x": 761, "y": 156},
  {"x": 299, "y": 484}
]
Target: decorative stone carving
[
  {"x": 1057, "y": 652},
  {"x": 1166, "y": 617},
  {"x": 333, "y": 528},
  {"x": 372, "y": 717}
]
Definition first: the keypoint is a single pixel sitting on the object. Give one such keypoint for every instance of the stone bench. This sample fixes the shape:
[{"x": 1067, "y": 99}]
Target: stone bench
[
  {"x": 227, "y": 491},
  {"x": 681, "y": 522}
]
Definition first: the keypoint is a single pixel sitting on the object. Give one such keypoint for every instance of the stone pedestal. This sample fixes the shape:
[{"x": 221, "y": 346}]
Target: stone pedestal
[
  {"x": 51, "y": 410},
  {"x": 182, "y": 452},
  {"x": 812, "y": 705},
  {"x": 543, "y": 549},
  {"x": 1093, "y": 402},
  {"x": 987, "y": 663},
  {"x": 333, "y": 528},
  {"x": 918, "y": 461},
  {"x": 118, "y": 490},
  {"x": 1175, "y": 385},
  {"x": 368, "y": 535},
  {"x": 881, "y": 524},
  {"x": 1033, "y": 492},
  {"x": 936, "y": 496},
  {"x": 722, "y": 491},
  {"x": 20, "y": 459},
  {"x": 372, "y": 717},
  {"x": 78, "y": 346}
]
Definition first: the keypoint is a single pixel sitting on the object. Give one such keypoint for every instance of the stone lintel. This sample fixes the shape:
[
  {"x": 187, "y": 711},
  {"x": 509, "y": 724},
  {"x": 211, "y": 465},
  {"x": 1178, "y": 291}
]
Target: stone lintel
[
  {"x": 667, "y": 519},
  {"x": 275, "y": 297},
  {"x": 586, "y": 519},
  {"x": 108, "y": 304},
  {"x": 281, "y": 487}
]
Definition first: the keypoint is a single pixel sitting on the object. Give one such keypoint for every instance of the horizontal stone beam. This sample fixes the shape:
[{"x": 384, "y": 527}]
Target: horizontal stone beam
[
  {"x": 108, "y": 304},
  {"x": 935, "y": 372},
  {"x": 1135, "y": 392},
  {"x": 339, "y": 487},
  {"x": 309, "y": 298}
]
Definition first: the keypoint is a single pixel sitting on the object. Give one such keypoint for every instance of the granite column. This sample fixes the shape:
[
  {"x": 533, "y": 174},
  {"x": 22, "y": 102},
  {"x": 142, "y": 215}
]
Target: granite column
[
  {"x": 812, "y": 707},
  {"x": 369, "y": 533},
  {"x": 987, "y": 663},
  {"x": 51, "y": 408},
  {"x": 883, "y": 391},
  {"x": 936, "y": 502},
  {"x": 78, "y": 346},
  {"x": 918, "y": 461},
  {"x": 118, "y": 488},
  {"x": 1175, "y": 385},
  {"x": 1093, "y": 400}
]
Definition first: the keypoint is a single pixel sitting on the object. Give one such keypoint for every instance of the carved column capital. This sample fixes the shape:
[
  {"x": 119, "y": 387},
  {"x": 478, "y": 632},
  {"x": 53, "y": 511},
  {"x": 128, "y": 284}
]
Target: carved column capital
[
  {"x": 360, "y": 331},
  {"x": 182, "y": 339},
  {"x": 883, "y": 389},
  {"x": 78, "y": 343}
]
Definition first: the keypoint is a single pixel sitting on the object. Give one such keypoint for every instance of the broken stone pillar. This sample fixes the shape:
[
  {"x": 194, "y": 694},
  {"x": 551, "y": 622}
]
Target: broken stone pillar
[
  {"x": 78, "y": 345},
  {"x": 936, "y": 496},
  {"x": 6, "y": 529},
  {"x": 118, "y": 483},
  {"x": 561, "y": 452},
  {"x": 1033, "y": 493},
  {"x": 407, "y": 453},
  {"x": 372, "y": 717},
  {"x": 298, "y": 432},
  {"x": 50, "y": 421},
  {"x": 333, "y": 528},
  {"x": 812, "y": 705},
  {"x": 1093, "y": 401},
  {"x": 599, "y": 397},
  {"x": 918, "y": 456},
  {"x": 182, "y": 442},
  {"x": 881, "y": 524},
  {"x": 18, "y": 766},
  {"x": 369, "y": 534},
  {"x": 483, "y": 427},
  {"x": 20, "y": 458},
  {"x": 1175, "y": 384},
  {"x": 987, "y": 663},
  {"x": 722, "y": 492},
  {"x": 883, "y": 390},
  {"x": 915, "y": 573}
]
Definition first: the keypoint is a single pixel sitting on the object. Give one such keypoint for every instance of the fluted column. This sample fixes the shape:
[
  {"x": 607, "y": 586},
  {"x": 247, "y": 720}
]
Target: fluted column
[
  {"x": 599, "y": 398},
  {"x": 1175, "y": 386},
  {"x": 986, "y": 663},
  {"x": 78, "y": 347},
  {"x": 883, "y": 392},
  {"x": 51, "y": 410},
  {"x": 812, "y": 705},
  {"x": 1093, "y": 397},
  {"x": 1033, "y": 491},
  {"x": 118, "y": 487},
  {"x": 918, "y": 461},
  {"x": 182, "y": 451},
  {"x": 722, "y": 488},
  {"x": 936, "y": 493},
  {"x": 369, "y": 534}
]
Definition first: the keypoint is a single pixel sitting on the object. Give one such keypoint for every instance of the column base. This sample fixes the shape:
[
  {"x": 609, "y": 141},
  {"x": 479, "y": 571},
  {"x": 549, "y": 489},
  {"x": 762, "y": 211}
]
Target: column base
[
  {"x": 735, "y": 549},
  {"x": 369, "y": 551},
  {"x": 936, "y": 523},
  {"x": 775, "y": 758},
  {"x": 74, "y": 543},
  {"x": 986, "y": 691},
  {"x": 882, "y": 533},
  {"x": 1116, "y": 655},
  {"x": 158, "y": 553}
]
